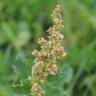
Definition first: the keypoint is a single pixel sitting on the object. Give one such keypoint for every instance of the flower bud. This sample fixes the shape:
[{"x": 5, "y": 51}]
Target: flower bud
[
  {"x": 60, "y": 50},
  {"x": 53, "y": 69}
]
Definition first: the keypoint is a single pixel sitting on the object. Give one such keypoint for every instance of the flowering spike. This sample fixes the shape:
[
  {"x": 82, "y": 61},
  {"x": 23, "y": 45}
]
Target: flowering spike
[{"x": 46, "y": 58}]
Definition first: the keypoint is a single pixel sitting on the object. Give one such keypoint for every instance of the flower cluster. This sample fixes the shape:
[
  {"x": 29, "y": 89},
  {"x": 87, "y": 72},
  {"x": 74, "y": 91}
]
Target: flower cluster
[{"x": 46, "y": 58}]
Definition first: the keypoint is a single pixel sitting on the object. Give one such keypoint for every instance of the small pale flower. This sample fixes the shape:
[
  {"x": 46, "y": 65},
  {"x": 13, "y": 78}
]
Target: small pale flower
[{"x": 53, "y": 69}]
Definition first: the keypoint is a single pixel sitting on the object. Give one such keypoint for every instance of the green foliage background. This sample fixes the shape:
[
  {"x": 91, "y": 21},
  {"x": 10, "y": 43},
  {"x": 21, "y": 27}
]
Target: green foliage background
[{"x": 22, "y": 22}]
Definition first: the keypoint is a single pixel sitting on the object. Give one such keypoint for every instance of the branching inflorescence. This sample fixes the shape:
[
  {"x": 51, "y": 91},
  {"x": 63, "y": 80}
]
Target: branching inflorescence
[{"x": 46, "y": 58}]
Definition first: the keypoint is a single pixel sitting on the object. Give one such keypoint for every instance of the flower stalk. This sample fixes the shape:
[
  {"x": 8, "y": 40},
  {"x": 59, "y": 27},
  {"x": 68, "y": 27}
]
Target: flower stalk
[{"x": 46, "y": 58}]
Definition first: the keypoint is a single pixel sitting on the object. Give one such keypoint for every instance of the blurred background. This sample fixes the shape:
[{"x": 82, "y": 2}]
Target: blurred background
[{"x": 22, "y": 22}]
